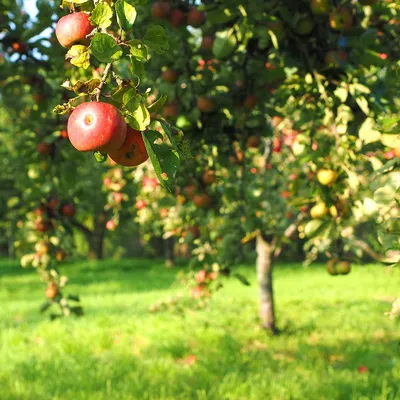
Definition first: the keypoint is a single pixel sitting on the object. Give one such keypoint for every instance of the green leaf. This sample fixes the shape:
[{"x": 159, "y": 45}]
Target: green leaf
[
  {"x": 126, "y": 14},
  {"x": 157, "y": 39},
  {"x": 363, "y": 104},
  {"x": 158, "y": 104},
  {"x": 137, "y": 68},
  {"x": 138, "y": 50},
  {"x": 87, "y": 87},
  {"x": 79, "y": 56},
  {"x": 175, "y": 137},
  {"x": 165, "y": 161},
  {"x": 242, "y": 279},
  {"x": 100, "y": 157},
  {"x": 139, "y": 118},
  {"x": 384, "y": 195},
  {"x": 312, "y": 227},
  {"x": 105, "y": 48},
  {"x": 101, "y": 15},
  {"x": 224, "y": 44},
  {"x": 131, "y": 100},
  {"x": 367, "y": 133}
]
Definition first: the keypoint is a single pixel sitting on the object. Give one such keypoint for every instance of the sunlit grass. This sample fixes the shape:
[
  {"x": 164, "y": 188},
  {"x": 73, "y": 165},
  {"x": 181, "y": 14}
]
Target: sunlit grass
[{"x": 330, "y": 327}]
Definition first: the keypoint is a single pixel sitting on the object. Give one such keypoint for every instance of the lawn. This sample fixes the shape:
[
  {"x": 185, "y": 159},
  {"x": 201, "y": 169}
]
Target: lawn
[{"x": 330, "y": 327}]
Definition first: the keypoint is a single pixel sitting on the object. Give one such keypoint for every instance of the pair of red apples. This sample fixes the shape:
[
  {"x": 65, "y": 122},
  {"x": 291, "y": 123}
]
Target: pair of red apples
[{"x": 98, "y": 126}]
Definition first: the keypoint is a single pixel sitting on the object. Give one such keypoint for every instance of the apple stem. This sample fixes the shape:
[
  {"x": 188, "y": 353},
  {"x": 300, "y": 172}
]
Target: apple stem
[{"x": 103, "y": 81}]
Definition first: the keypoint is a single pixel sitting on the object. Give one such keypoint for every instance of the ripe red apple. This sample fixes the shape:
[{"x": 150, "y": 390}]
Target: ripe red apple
[
  {"x": 111, "y": 225},
  {"x": 133, "y": 152},
  {"x": 336, "y": 58},
  {"x": 206, "y": 104},
  {"x": 44, "y": 148},
  {"x": 40, "y": 211},
  {"x": 209, "y": 177},
  {"x": 42, "y": 225},
  {"x": 19, "y": 47},
  {"x": 200, "y": 276},
  {"x": 140, "y": 204},
  {"x": 276, "y": 146},
  {"x": 53, "y": 202},
  {"x": 196, "y": 18},
  {"x": 61, "y": 255},
  {"x": 150, "y": 183},
  {"x": 254, "y": 142},
  {"x": 170, "y": 110},
  {"x": 107, "y": 182},
  {"x": 250, "y": 102},
  {"x": 118, "y": 197},
  {"x": 177, "y": 18},
  {"x": 320, "y": 7},
  {"x": 190, "y": 190},
  {"x": 341, "y": 19},
  {"x": 207, "y": 42},
  {"x": 96, "y": 126},
  {"x": 169, "y": 75},
  {"x": 202, "y": 200},
  {"x": 64, "y": 134},
  {"x": 73, "y": 28},
  {"x": 160, "y": 10},
  {"x": 52, "y": 290},
  {"x": 389, "y": 155},
  {"x": 68, "y": 210}
]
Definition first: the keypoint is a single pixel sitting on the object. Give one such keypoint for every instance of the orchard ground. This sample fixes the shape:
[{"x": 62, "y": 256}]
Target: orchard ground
[{"x": 336, "y": 342}]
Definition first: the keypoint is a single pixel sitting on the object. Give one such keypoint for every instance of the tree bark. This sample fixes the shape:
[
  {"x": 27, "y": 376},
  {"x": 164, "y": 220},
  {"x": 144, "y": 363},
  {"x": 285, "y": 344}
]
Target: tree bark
[
  {"x": 95, "y": 237},
  {"x": 264, "y": 274},
  {"x": 169, "y": 252}
]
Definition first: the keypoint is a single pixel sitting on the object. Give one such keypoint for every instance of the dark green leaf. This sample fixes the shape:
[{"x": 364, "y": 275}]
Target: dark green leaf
[
  {"x": 157, "y": 39},
  {"x": 105, "y": 48},
  {"x": 126, "y": 14},
  {"x": 101, "y": 15}
]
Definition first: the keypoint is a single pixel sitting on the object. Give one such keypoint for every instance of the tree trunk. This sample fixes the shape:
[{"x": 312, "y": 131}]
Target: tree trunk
[
  {"x": 169, "y": 252},
  {"x": 264, "y": 274},
  {"x": 95, "y": 247}
]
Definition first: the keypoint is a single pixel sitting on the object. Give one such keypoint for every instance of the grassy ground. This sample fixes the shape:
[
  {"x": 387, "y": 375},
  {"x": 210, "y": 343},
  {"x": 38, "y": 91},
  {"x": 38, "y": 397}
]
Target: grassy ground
[{"x": 118, "y": 350}]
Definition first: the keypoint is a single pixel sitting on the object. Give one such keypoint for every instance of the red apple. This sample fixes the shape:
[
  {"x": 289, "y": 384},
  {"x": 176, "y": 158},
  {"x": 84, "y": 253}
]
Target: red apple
[
  {"x": 200, "y": 276},
  {"x": 160, "y": 10},
  {"x": 73, "y": 28},
  {"x": 190, "y": 190},
  {"x": 206, "y": 104},
  {"x": 254, "y": 141},
  {"x": 169, "y": 75},
  {"x": 209, "y": 177},
  {"x": 133, "y": 151},
  {"x": 250, "y": 102},
  {"x": 96, "y": 126},
  {"x": 336, "y": 58},
  {"x": 118, "y": 197},
  {"x": 68, "y": 210},
  {"x": 196, "y": 18},
  {"x": 341, "y": 19},
  {"x": 140, "y": 204},
  {"x": 44, "y": 148},
  {"x": 64, "y": 134},
  {"x": 202, "y": 200},
  {"x": 177, "y": 18},
  {"x": 207, "y": 42},
  {"x": 42, "y": 225},
  {"x": 170, "y": 110},
  {"x": 111, "y": 225}
]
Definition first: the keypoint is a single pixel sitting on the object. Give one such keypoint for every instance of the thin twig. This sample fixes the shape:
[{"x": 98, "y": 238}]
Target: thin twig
[{"x": 103, "y": 81}]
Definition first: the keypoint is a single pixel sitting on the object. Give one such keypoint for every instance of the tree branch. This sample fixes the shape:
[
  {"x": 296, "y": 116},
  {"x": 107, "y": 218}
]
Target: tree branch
[
  {"x": 103, "y": 81},
  {"x": 368, "y": 250},
  {"x": 289, "y": 232},
  {"x": 85, "y": 230}
]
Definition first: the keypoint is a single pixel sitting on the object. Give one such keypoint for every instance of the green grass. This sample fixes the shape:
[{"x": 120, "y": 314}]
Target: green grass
[{"x": 118, "y": 350}]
